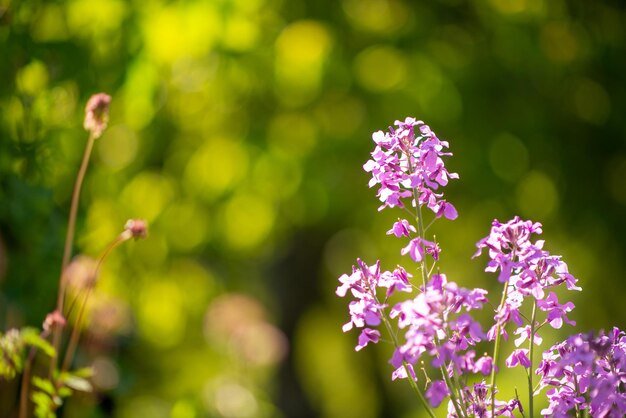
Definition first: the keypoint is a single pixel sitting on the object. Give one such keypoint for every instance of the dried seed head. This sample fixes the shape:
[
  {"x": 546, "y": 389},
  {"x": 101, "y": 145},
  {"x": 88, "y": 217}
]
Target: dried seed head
[
  {"x": 97, "y": 114},
  {"x": 137, "y": 228},
  {"x": 53, "y": 320}
]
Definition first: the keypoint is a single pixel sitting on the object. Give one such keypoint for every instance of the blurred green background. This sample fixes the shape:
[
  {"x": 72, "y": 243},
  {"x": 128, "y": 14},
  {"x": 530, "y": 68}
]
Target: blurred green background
[{"x": 238, "y": 130}]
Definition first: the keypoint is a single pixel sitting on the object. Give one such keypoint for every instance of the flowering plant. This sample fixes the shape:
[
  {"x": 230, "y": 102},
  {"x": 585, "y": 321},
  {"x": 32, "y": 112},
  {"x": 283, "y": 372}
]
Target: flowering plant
[
  {"x": 583, "y": 375},
  {"x": 19, "y": 347}
]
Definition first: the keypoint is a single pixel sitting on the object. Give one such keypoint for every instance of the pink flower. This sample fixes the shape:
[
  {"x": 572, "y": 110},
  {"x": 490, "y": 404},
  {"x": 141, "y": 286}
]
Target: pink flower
[
  {"x": 97, "y": 114},
  {"x": 518, "y": 357},
  {"x": 437, "y": 392}
]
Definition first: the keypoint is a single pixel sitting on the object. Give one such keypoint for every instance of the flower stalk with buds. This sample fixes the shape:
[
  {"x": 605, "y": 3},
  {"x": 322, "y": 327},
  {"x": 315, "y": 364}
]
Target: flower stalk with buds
[{"x": 59, "y": 384}]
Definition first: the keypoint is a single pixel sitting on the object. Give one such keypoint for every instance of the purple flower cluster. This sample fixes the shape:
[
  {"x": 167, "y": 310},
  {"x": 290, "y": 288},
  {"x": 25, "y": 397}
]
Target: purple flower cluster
[
  {"x": 586, "y": 373},
  {"x": 527, "y": 271},
  {"x": 477, "y": 401},
  {"x": 407, "y": 163},
  {"x": 582, "y": 374},
  {"x": 366, "y": 310},
  {"x": 437, "y": 323}
]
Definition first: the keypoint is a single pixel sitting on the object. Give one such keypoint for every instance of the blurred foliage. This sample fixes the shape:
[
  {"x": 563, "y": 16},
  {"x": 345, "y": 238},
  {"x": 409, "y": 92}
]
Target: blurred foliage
[{"x": 238, "y": 130}]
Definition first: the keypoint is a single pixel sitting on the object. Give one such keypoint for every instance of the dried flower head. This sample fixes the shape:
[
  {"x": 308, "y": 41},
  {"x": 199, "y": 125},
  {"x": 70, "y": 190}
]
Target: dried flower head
[
  {"x": 53, "y": 320},
  {"x": 136, "y": 228},
  {"x": 97, "y": 114}
]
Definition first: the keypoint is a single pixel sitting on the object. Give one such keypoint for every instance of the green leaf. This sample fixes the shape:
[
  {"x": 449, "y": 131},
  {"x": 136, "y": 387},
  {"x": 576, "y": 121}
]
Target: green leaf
[
  {"x": 65, "y": 392},
  {"x": 45, "y": 385},
  {"x": 31, "y": 337},
  {"x": 44, "y": 405},
  {"x": 78, "y": 383},
  {"x": 84, "y": 372}
]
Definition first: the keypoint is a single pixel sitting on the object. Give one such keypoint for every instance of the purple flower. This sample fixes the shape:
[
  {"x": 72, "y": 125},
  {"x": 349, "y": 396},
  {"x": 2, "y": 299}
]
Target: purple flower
[
  {"x": 367, "y": 335},
  {"x": 519, "y": 356},
  {"x": 557, "y": 313},
  {"x": 524, "y": 334},
  {"x": 417, "y": 247},
  {"x": 401, "y": 228},
  {"x": 587, "y": 372},
  {"x": 366, "y": 310},
  {"x": 433, "y": 327},
  {"x": 407, "y": 158},
  {"x": 437, "y": 392},
  {"x": 483, "y": 365}
]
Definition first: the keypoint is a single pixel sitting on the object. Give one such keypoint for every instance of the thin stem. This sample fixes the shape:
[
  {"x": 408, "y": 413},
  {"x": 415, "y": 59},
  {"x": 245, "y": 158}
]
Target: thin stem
[
  {"x": 496, "y": 349},
  {"x": 452, "y": 390},
  {"x": 577, "y": 390},
  {"x": 69, "y": 240},
  {"x": 396, "y": 344},
  {"x": 407, "y": 369},
  {"x": 71, "y": 226},
  {"x": 24, "y": 386},
  {"x": 75, "y": 336},
  {"x": 520, "y": 410},
  {"x": 530, "y": 353},
  {"x": 420, "y": 231}
]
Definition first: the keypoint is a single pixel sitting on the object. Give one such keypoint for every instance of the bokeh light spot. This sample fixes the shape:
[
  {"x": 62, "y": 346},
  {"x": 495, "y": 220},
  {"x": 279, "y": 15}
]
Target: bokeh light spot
[
  {"x": 183, "y": 409},
  {"x": 240, "y": 34},
  {"x": 276, "y": 175},
  {"x": 95, "y": 17},
  {"x": 32, "y": 78},
  {"x": 380, "y": 68},
  {"x": 379, "y": 16},
  {"x": 147, "y": 195},
  {"x": 218, "y": 166},
  {"x": 325, "y": 370},
  {"x": 160, "y": 313},
  {"x": 186, "y": 225},
  {"x": 292, "y": 133},
  {"x": 139, "y": 91},
  {"x": 537, "y": 196},
  {"x": 559, "y": 42},
  {"x": 106, "y": 375},
  {"x": 591, "y": 102},
  {"x": 508, "y": 157},
  {"x": 230, "y": 399},
  {"x": 173, "y": 32},
  {"x": 49, "y": 25},
  {"x": 340, "y": 115},
  {"x": 247, "y": 221},
  {"x": 301, "y": 51},
  {"x": 118, "y": 147}
]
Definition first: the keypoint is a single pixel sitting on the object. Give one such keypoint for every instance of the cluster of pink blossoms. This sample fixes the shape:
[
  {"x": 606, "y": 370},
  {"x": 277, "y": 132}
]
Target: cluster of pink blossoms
[
  {"x": 407, "y": 159},
  {"x": 583, "y": 373},
  {"x": 586, "y": 373},
  {"x": 527, "y": 271}
]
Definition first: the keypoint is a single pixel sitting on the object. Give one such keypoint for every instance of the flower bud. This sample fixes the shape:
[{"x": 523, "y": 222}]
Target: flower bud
[
  {"x": 53, "y": 320},
  {"x": 136, "y": 228},
  {"x": 97, "y": 114}
]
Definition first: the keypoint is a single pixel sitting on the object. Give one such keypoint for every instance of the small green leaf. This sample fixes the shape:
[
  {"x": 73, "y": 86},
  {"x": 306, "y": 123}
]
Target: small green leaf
[
  {"x": 31, "y": 337},
  {"x": 78, "y": 383},
  {"x": 44, "y": 384},
  {"x": 65, "y": 392},
  {"x": 84, "y": 372}
]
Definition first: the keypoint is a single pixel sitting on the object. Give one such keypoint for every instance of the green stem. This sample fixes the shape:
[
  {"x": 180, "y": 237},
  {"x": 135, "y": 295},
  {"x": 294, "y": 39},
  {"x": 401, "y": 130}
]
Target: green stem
[
  {"x": 452, "y": 389},
  {"x": 530, "y": 354},
  {"x": 407, "y": 369},
  {"x": 576, "y": 408},
  {"x": 496, "y": 349}
]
